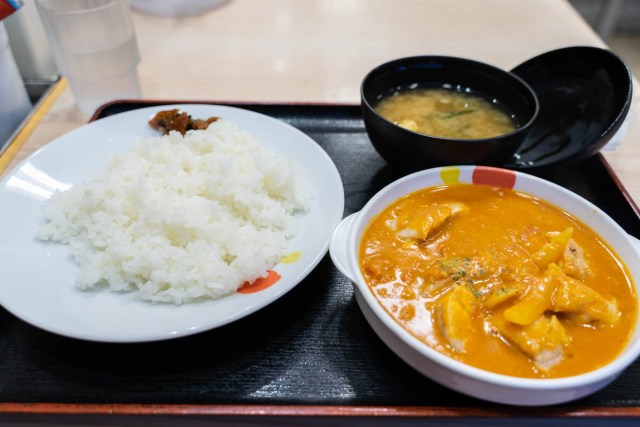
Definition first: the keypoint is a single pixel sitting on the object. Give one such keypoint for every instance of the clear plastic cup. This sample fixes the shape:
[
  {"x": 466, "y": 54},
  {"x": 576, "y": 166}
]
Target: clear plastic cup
[{"x": 95, "y": 47}]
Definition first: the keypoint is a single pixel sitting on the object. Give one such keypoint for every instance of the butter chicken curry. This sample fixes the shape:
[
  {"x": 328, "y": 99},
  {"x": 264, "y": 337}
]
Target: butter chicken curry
[{"x": 499, "y": 280}]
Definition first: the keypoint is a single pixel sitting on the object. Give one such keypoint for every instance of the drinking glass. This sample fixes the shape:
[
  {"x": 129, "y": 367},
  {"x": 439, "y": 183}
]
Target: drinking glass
[{"x": 95, "y": 47}]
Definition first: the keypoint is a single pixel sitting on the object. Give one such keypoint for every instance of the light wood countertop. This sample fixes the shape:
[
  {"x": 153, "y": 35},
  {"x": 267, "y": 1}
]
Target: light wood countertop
[{"x": 318, "y": 51}]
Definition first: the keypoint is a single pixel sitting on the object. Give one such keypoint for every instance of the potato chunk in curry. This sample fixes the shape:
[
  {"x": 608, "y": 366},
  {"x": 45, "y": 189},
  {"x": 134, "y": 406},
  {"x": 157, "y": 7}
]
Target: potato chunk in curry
[
  {"x": 499, "y": 280},
  {"x": 455, "y": 316}
]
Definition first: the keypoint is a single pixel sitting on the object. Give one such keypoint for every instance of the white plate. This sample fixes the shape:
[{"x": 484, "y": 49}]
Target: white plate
[{"x": 38, "y": 278}]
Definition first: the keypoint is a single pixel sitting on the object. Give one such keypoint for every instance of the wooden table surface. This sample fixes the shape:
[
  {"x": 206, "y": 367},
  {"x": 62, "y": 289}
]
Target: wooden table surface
[{"x": 318, "y": 51}]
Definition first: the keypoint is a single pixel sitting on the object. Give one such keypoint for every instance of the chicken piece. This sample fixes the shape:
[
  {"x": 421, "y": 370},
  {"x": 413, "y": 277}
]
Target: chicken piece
[
  {"x": 574, "y": 263},
  {"x": 552, "y": 250},
  {"x": 582, "y": 304},
  {"x": 455, "y": 313},
  {"x": 535, "y": 301},
  {"x": 426, "y": 221},
  {"x": 543, "y": 340}
]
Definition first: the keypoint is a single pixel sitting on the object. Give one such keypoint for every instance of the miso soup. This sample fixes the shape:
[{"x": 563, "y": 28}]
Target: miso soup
[{"x": 446, "y": 113}]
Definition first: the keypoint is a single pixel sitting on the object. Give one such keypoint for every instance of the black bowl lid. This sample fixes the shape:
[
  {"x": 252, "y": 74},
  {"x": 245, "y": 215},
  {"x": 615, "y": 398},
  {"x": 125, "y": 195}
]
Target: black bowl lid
[{"x": 584, "y": 94}]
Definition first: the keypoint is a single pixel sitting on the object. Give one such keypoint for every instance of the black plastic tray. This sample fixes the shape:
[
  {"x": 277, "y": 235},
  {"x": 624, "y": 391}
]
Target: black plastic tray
[{"x": 311, "y": 348}]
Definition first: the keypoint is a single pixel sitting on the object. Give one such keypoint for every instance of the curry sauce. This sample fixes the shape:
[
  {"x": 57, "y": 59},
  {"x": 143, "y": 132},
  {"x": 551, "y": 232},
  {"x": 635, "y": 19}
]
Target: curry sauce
[{"x": 499, "y": 280}]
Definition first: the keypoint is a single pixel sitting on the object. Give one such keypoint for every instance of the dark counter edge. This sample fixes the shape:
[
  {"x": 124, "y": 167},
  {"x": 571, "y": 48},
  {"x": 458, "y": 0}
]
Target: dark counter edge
[
  {"x": 35, "y": 411},
  {"x": 497, "y": 412}
]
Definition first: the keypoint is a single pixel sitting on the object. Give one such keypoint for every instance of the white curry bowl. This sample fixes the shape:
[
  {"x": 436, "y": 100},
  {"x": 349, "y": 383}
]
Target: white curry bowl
[{"x": 452, "y": 373}]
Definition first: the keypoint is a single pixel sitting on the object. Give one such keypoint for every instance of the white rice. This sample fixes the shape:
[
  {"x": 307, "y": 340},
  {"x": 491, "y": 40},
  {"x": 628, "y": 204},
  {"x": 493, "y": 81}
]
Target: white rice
[{"x": 178, "y": 219}]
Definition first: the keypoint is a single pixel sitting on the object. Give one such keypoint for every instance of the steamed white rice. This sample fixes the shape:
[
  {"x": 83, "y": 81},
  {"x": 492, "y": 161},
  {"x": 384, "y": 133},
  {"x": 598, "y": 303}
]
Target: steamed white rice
[{"x": 181, "y": 218}]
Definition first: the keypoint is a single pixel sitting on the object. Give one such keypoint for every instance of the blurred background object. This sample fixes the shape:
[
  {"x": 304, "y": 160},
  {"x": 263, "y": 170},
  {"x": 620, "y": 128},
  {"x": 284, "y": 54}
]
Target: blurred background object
[
  {"x": 14, "y": 101},
  {"x": 8, "y": 7},
  {"x": 617, "y": 22},
  {"x": 175, "y": 8},
  {"x": 31, "y": 50}
]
